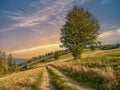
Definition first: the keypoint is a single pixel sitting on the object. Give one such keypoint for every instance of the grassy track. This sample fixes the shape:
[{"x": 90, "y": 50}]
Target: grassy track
[
  {"x": 39, "y": 80},
  {"x": 58, "y": 82},
  {"x": 100, "y": 72}
]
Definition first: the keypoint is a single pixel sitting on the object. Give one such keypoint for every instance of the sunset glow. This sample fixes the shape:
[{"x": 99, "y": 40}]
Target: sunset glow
[{"x": 32, "y": 27}]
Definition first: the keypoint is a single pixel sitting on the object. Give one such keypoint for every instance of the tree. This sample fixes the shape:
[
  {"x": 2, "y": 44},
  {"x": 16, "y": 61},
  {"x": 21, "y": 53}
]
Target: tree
[
  {"x": 15, "y": 65},
  {"x": 79, "y": 31},
  {"x": 3, "y": 64},
  {"x": 26, "y": 66},
  {"x": 2, "y": 54},
  {"x": 56, "y": 55},
  {"x": 10, "y": 59}
]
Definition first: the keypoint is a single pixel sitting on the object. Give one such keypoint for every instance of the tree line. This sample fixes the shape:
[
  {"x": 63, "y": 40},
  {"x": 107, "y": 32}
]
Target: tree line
[
  {"x": 50, "y": 56},
  {"x": 109, "y": 46},
  {"x": 7, "y": 64}
]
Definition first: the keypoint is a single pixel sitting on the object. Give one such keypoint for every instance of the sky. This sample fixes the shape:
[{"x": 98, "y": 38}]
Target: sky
[{"x": 32, "y": 27}]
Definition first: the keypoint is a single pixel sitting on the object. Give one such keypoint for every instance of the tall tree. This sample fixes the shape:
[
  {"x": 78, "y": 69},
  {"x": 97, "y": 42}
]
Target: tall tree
[
  {"x": 80, "y": 30},
  {"x": 3, "y": 64},
  {"x": 10, "y": 59},
  {"x": 56, "y": 55}
]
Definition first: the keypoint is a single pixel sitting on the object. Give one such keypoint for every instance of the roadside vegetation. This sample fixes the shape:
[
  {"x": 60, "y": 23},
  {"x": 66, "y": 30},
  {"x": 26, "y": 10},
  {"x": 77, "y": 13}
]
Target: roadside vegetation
[
  {"x": 7, "y": 64},
  {"x": 98, "y": 72},
  {"x": 58, "y": 82},
  {"x": 48, "y": 57},
  {"x": 39, "y": 80},
  {"x": 25, "y": 80}
]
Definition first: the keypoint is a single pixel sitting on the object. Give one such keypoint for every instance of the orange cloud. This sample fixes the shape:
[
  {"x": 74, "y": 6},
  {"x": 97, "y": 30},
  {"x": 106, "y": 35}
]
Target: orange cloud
[{"x": 35, "y": 51}]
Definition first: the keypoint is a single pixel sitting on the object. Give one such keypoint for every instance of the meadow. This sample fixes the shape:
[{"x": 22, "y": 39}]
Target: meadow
[{"x": 98, "y": 70}]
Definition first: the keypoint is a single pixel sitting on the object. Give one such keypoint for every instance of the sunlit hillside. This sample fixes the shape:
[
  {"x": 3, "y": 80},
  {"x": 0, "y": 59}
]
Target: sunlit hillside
[
  {"x": 59, "y": 44},
  {"x": 29, "y": 53},
  {"x": 95, "y": 67}
]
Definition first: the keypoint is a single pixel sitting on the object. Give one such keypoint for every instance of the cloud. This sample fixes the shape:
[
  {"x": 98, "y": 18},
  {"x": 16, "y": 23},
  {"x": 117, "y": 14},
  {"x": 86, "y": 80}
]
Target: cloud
[
  {"x": 39, "y": 13},
  {"x": 28, "y": 53},
  {"x": 105, "y": 2},
  {"x": 84, "y": 1},
  {"x": 11, "y": 28},
  {"x": 31, "y": 19},
  {"x": 37, "y": 30},
  {"x": 110, "y": 37},
  {"x": 107, "y": 27},
  {"x": 11, "y": 13},
  {"x": 36, "y": 48}
]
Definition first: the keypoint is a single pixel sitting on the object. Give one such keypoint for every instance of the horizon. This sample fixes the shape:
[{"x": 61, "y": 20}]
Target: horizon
[{"x": 30, "y": 28}]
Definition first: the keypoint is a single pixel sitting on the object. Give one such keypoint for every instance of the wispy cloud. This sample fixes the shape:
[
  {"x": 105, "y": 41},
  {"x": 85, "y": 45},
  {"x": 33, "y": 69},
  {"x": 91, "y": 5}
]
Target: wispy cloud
[
  {"x": 105, "y": 2},
  {"x": 107, "y": 27},
  {"x": 36, "y": 48},
  {"x": 28, "y": 53},
  {"x": 110, "y": 37},
  {"x": 9, "y": 13},
  {"x": 51, "y": 14},
  {"x": 84, "y": 1},
  {"x": 39, "y": 13}
]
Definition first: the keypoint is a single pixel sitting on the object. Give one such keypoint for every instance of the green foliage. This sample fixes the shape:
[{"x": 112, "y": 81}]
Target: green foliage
[
  {"x": 10, "y": 59},
  {"x": 80, "y": 30},
  {"x": 101, "y": 72},
  {"x": 3, "y": 66},
  {"x": 39, "y": 81},
  {"x": 7, "y": 65},
  {"x": 50, "y": 56},
  {"x": 56, "y": 55},
  {"x": 91, "y": 79},
  {"x": 108, "y": 47},
  {"x": 26, "y": 67}
]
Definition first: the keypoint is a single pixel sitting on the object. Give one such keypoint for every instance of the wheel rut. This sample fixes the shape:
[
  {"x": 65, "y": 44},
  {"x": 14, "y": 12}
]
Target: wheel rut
[
  {"x": 46, "y": 82},
  {"x": 72, "y": 81}
]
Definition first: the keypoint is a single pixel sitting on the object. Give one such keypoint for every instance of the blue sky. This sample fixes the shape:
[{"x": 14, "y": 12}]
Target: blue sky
[{"x": 27, "y": 24}]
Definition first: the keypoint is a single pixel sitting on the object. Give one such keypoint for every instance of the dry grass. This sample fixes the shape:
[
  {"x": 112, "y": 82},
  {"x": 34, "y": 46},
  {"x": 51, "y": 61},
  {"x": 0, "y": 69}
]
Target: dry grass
[
  {"x": 59, "y": 82},
  {"x": 19, "y": 81},
  {"x": 92, "y": 54},
  {"x": 106, "y": 74}
]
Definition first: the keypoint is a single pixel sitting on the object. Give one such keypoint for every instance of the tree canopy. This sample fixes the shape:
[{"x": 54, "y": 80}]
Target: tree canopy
[{"x": 79, "y": 31}]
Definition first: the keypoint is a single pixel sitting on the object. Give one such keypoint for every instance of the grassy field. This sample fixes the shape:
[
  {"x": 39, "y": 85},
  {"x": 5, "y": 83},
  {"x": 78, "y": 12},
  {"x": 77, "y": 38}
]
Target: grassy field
[
  {"x": 98, "y": 70},
  {"x": 59, "y": 82},
  {"x": 25, "y": 80}
]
